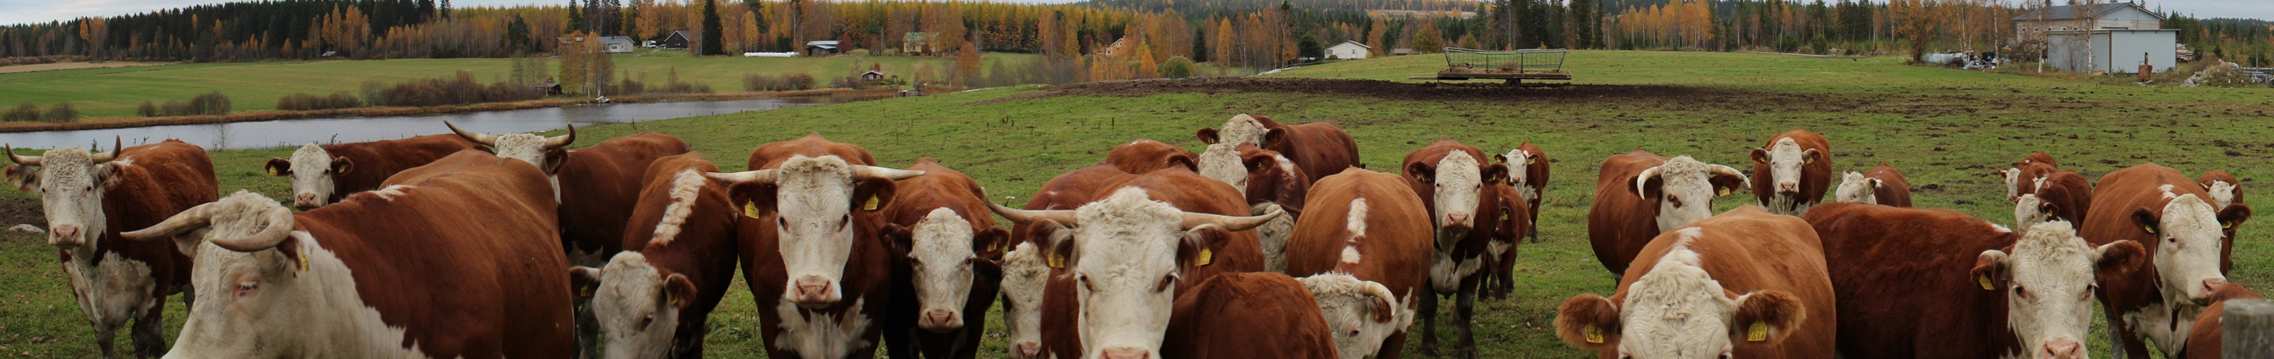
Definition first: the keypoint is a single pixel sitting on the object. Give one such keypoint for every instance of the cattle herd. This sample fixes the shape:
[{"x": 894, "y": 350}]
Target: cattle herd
[{"x": 1273, "y": 242}]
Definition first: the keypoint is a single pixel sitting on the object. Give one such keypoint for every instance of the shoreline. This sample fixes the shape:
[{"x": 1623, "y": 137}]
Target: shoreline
[{"x": 100, "y": 123}]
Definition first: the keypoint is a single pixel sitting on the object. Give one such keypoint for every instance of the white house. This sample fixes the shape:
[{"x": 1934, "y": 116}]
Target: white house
[
  {"x": 616, "y": 44},
  {"x": 2114, "y": 51},
  {"x": 1348, "y": 50},
  {"x": 2033, "y": 25}
]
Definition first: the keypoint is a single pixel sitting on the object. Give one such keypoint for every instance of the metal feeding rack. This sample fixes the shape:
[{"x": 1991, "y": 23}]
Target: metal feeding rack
[{"x": 1511, "y": 66}]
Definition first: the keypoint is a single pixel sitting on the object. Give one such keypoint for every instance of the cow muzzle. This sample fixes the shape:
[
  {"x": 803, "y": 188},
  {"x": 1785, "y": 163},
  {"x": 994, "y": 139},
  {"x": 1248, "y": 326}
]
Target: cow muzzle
[
  {"x": 2061, "y": 349},
  {"x": 939, "y": 321},
  {"x": 813, "y": 291},
  {"x": 2209, "y": 288},
  {"x": 1788, "y": 188},
  {"x": 1124, "y": 353},
  {"x": 65, "y": 235},
  {"x": 1026, "y": 350},
  {"x": 306, "y": 200}
]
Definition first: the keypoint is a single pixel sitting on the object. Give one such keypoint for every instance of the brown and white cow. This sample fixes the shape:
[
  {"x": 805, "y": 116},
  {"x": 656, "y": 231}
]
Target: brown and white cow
[
  {"x": 947, "y": 263},
  {"x": 818, "y": 267},
  {"x": 1319, "y": 148},
  {"x": 327, "y": 173},
  {"x": 605, "y": 180},
  {"x": 1031, "y": 268},
  {"x": 1919, "y": 283},
  {"x": 2015, "y": 186},
  {"x": 1371, "y": 227},
  {"x": 1883, "y": 185},
  {"x": 1745, "y": 284},
  {"x": 1528, "y": 171},
  {"x": 2172, "y": 217},
  {"x": 458, "y": 258},
  {"x": 1793, "y": 170},
  {"x": 1247, "y": 315},
  {"x": 88, "y": 198},
  {"x": 2206, "y": 341},
  {"x": 1270, "y": 182},
  {"x": 1516, "y": 219},
  {"x": 654, "y": 299},
  {"x": 1143, "y": 155},
  {"x": 1129, "y": 253},
  {"x": 2226, "y": 192},
  {"x": 2052, "y": 195},
  {"x": 1640, "y": 194},
  {"x": 1458, "y": 188}
]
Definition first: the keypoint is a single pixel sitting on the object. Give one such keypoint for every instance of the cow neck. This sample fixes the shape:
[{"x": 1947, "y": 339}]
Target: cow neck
[{"x": 702, "y": 251}]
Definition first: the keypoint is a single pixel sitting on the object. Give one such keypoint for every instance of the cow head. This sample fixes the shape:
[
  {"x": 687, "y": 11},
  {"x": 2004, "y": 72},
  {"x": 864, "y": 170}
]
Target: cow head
[
  {"x": 943, "y": 251},
  {"x": 2189, "y": 239},
  {"x": 2047, "y": 282},
  {"x": 1222, "y": 162},
  {"x": 1240, "y": 129},
  {"x": 263, "y": 290},
  {"x": 1784, "y": 160},
  {"x": 1141, "y": 248},
  {"x": 1361, "y": 313},
  {"x": 2012, "y": 178},
  {"x": 1855, "y": 188},
  {"x": 812, "y": 201},
  {"x": 312, "y": 170},
  {"x": 637, "y": 305},
  {"x": 1025, "y": 271},
  {"x": 2030, "y": 210},
  {"x": 70, "y": 183},
  {"x": 1517, "y": 162},
  {"x": 1685, "y": 189},
  {"x": 547, "y": 153},
  {"x": 2223, "y": 193},
  {"x": 1457, "y": 185},
  {"x": 1677, "y": 310}
]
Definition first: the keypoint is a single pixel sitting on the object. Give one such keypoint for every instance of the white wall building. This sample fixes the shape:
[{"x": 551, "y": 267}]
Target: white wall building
[
  {"x": 2033, "y": 25},
  {"x": 1348, "y": 50},
  {"x": 2114, "y": 51}
]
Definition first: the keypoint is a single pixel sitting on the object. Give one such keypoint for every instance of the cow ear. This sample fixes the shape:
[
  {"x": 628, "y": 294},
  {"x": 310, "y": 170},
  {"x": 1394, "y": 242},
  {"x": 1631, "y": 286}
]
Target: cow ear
[
  {"x": 555, "y": 159},
  {"x": 1184, "y": 160},
  {"x": 1257, "y": 160},
  {"x": 1421, "y": 171},
  {"x": 1587, "y": 322},
  {"x": 895, "y": 237},
  {"x": 1061, "y": 245},
  {"x": 1809, "y": 156},
  {"x": 1496, "y": 173},
  {"x": 872, "y": 194},
  {"x": 1206, "y": 135},
  {"x": 1876, "y": 184},
  {"x": 107, "y": 174},
  {"x": 1274, "y": 137},
  {"x": 582, "y": 280},
  {"x": 1200, "y": 244},
  {"x": 757, "y": 199},
  {"x": 992, "y": 243},
  {"x": 1989, "y": 270},
  {"x": 1725, "y": 183},
  {"x": 279, "y": 167},
  {"x": 2233, "y": 216},
  {"x": 342, "y": 165},
  {"x": 1383, "y": 311},
  {"x": 26, "y": 178},
  {"x": 1766, "y": 317},
  {"x": 2118, "y": 255},
  {"x": 679, "y": 290},
  {"x": 2147, "y": 222},
  {"x": 1760, "y": 155}
]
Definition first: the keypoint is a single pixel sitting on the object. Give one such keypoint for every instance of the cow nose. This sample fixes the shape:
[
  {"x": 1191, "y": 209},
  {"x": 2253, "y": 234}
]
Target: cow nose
[
  {"x": 304, "y": 200},
  {"x": 814, "y": 291},
  {"x": 63, "y": 234},
  {"x": 1457, "y": 220},
  {"x": 1126, "y": 353},
  {"x": 939, "y": 320},
  {"x": 2211, "y": 285},
  {"x": 1788, "y": 187},
  {"x": 2063, "y": 349},
  {"x": 1027, "y": 350}
]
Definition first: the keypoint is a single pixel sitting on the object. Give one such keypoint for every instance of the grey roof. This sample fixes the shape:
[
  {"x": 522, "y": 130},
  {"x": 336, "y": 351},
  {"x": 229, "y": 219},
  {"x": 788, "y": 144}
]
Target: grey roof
[{"x": 2072, "y": 12}]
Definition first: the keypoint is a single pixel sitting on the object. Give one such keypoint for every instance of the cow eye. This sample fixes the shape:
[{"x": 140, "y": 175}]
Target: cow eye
[
  {"x": 1086, "y": 284},
  {"x": 1676, "y": 201},
  {"x": 646, "y": 320},
  {"x": 247, "y": 288},
  {"x": 845, "y": 221},
  {"x": 2019, "y": 292},
  {"x": 1166, "y": 282}
]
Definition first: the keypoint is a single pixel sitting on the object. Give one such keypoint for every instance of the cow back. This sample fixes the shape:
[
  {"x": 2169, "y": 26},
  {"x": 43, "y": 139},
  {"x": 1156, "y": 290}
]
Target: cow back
[
  {"x": 1247, "y": 315},
  {"x": 1320, "y": 148},
  {"x": 1148, "y": 155},
  {"x": 700, "y": 243},
  {"x": 1904, "y": 282},
  {"x": 1067, "y": 191},
  {"x": 1894, "y": 189},
  {"x": 2069, "y": 193},
  {"x": 771, "y": 155},
  {"x": 599, "y": 184},
  {"x": 1749, "y": 249},
  {"x": 375, "y": 161},
  {"x": 1393, "y": 250},
  {"x": 1621, "y": 221}
]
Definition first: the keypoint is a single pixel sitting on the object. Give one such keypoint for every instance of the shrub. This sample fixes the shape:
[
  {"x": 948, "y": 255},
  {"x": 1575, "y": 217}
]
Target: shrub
[
  {"x": 306, "y": 102},
  {"x": 22, "y": 113},
  {"x": 147, "y": 109},
  {"x": 789, "y": 82},
  {"x": 62, "y": 112},
  {"x": 210, "y": 103},
  {"x": 458, "y": 90},
  {"x": 1177, "y": 67}
]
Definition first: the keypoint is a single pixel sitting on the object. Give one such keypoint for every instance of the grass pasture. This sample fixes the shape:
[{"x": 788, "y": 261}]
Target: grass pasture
[{"x": 1945, "y": 128}]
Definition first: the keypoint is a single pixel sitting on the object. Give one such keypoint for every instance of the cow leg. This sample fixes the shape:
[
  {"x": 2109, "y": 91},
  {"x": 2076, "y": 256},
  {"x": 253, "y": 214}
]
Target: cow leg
[
  {"x": 149, "y": 332},
  {"x": 587, "y": 330},
  {"x": 1535, "y": 233},
  {"x": 689, "y": 343},
  {"x": 1429, "y": 322},
  {"x": 103, "y": 338},
  {"x": 1464, "y": 315},
  {"x": 1392, "y": 347}
]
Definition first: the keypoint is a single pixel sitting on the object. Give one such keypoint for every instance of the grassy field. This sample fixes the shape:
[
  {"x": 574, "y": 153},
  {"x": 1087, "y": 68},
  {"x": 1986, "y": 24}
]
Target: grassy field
[
  {"x": 1945, "y": 128},
  {"x": 257, "y": 85}
]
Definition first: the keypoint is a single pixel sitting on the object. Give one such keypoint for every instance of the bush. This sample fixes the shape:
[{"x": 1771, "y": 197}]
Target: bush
[
  {"x": 1177, "y": 67},
  {"x": 790, "y": 82},
  {"x": 307, "y": 102},
  {"x": 22, "y": 113},
  {"x": 458, "y": 90},
  {"x": 147, "y": 109},
  {"x": 62, "y": 112},
  {"x": 210, "y": 103}
]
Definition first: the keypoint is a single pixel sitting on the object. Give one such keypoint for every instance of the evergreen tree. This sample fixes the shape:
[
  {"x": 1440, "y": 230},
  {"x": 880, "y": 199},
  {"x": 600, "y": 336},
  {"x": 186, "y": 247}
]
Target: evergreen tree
[{"x": 711, "y": 29}]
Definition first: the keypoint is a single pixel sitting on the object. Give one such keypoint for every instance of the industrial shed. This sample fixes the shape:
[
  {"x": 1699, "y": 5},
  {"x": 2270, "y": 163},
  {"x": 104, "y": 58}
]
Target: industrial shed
[{"x": 2114, "y": 51}]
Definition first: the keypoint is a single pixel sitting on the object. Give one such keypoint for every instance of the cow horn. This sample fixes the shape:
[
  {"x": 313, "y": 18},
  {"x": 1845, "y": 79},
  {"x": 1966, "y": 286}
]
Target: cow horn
[
  {"x": 885, "y": 173},
  {"x": 278, "y": 229},
  {"x": 20, "y": 159},
  {"x": 190, "y": 218},
  {"x": 1062, "y": 217},
  {"x": 1726, "y": 170},
  {"x": 562, "y": 140},
  {"x": 758, "y": 176},
  {"x": 101, "y": 157},
  {"x": 477, "y": 137},
  {"x": 1229, "y": 223},
  {"x": 1643, "y": 178}
]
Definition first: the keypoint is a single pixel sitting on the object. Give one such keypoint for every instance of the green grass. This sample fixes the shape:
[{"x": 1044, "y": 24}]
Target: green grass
[
  {"x": 1944, "y": 128},
  {"x": 253, "y": 86}
]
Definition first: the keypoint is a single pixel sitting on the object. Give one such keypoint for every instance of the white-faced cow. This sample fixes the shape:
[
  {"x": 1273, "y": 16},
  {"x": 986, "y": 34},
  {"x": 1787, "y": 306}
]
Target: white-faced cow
[
  {"x": 1917, "y": 283},
  {"x": 2226, "y": 192},
  {"x": 1024, "y": 287},
  {"x": 1745, "y": 284},
  {"x": 654, "y": 299},
  {"x": 1368, "y": 226},
  {"x": 819, "y": 270},
  {"x": 1363, "y": 315},
  {"x": 1466, "y": 207},
  {"x": 87, "y": 198},
  {"x": 1793, "y": 171},
  {"x": 1639, "y": 194},
  {"x": 2172, "y": 217},
  {"x": 1883, "y": 185},
  {"x": 1270, "y": 182},
  {"x": 2015, "y": 176},
  {"x": 1528, "y": 171},
  {"x": 1320, "y": 149},
  {"x": 947, "y": 263},
  {"x": 456, "y": 259},
  {"x": 327, "y": 173}
]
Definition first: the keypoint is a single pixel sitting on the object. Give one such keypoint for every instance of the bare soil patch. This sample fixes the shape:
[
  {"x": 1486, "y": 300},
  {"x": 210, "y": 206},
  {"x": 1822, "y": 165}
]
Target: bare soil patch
[{"x": 73, "y": 66}]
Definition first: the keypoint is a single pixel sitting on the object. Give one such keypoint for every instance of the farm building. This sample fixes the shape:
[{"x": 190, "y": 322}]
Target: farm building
[
  {"x": 616, "y": 44},
  {"x": 677, "y": 40},
  {"x": 1348, "y": 50},
  {"x": 822, "y": 47},
  {"x": 2032, "y": 26},
  {"x": 2115, "y": 51},
  {"x": 916, "y": 43}
]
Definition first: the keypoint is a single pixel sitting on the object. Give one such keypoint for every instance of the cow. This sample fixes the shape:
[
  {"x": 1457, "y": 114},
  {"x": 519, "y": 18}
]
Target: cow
[
  {"x": 1745, "y": 284},
  {"x": 2172, "y": 218},
  {"x": 458, "y": 258},
  {"x": 1270, "y": 182},
  {"x": 1640, "y": 194},
  {"x": 1143, "y": 155},
  {"x": 1369, "y": 226},
  {"x": 2015, "y": 186},
  {"x": 654, "y": 299},
  {"x": 1465, "y": 208},
  {"x": 1025, "y": 272},
  {"x": 1883, "y": 185},
  {"x": 324, "y": 174},
  {"x": 817, "y": 265},
  {"x": 1793, "y": 170},
  {"x": 88, "y": 198},
  {"x": 2055, "y": 195},
  {"x": 946, "y": 265},
  {"x": 2226, "y": 192},
  {"x": 1130, "y": 254},
  {"x": 605, "y": 179},
  {"x": 1247, "y": 315},
  {"x": 1528, "y": 171},
  {"x": 1320, "y": 148},
  {"x": 2206, "y": 340},
  {"x": 1516, "y": 219},
  {"x": 1920, "y": 283},
  {"x": 1025, "y": 286}
]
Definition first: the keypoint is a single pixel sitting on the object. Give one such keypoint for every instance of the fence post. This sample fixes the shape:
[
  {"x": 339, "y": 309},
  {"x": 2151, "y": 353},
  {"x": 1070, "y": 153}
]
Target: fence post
[{"x": 2247, "y": 329}]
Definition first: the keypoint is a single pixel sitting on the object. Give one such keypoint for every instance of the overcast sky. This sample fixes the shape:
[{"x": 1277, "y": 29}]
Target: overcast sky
[{"x": 23, "y": 11}]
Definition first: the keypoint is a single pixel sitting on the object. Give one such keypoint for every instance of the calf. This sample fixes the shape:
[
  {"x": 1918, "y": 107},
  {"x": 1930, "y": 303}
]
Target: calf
[
  {"x": 1745, "y": 284},
  {"x": 2172, "y": 218},
  {"x": 1371, "y": 227},
  {"x": 2015, "y": 185},
  {"x": 817, "y": 267},
  {"x": 325, "y": 174},
  {"x": 1794, "y": 169},
  {"x": 1531, "y": 181},
  {"x": 87, "y": 198},
  {"x": 2226, "y": 192},
  {"x": 1452, "y": 180},
  {"x": 1142, "y": 156},
  {"x": 946, "y": 265},
  {"x": 2205, "y": 341},
  {"x": 1246, "y": 315},
  {"x": 1883, "y": 185},
  {"x": 458, "y": 258},
  {"x": 1916, "y": 283},
  {"x": 1319, "y": 148},
  {"x": 654, "y": 300},
  {"x": 1271, "y": 182},
  {"x": 1640, "y": 194}
]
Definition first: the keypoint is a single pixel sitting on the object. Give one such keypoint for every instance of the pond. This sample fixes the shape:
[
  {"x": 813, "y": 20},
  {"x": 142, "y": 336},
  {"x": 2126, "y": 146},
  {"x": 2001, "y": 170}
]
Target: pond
[{"x": 294, "y": 132}]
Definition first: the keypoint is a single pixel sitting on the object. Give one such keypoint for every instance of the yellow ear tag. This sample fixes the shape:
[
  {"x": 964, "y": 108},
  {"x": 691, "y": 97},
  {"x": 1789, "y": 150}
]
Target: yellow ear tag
[
  {"x": 750, "y": 209},
  {"x": 1206, "y": 256},
  {"x": 1985, "y": 281},
  {"x": 1759, "y": 332},
  {"x": 1722, "y": 192},
  {"x": 272, "y": 171},
  {"x": 1057, "y": 261},
  {"x": 1594, "y": 335},
  {"x": 303, "y": 262},
  {"x": 870, "y": 205}
]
